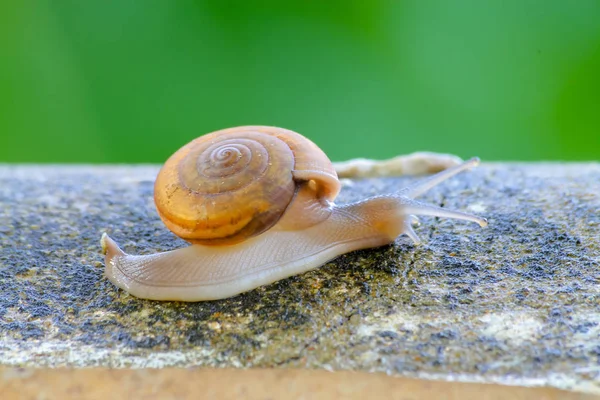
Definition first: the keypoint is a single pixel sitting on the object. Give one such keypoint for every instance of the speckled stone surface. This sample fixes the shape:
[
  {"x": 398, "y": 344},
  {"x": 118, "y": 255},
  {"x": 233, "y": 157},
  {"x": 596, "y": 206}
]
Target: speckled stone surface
[{"x": 517, "y": 302}]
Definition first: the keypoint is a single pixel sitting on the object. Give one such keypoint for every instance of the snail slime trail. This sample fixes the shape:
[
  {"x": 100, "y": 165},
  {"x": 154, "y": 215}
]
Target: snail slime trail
[{"x": 257, "y": 205}]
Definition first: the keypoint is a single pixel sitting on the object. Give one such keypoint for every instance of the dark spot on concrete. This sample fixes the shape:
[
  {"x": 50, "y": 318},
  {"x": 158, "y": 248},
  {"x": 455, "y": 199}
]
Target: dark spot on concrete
[
  {"x": 445, "y": 334},
  {"x": 22, "y": 330},
  {"x": 388, "y": 334}
]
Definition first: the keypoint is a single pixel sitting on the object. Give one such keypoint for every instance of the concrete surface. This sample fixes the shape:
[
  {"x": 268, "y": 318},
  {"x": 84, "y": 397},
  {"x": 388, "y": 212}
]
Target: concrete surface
[{"x": 516, "y": 303}]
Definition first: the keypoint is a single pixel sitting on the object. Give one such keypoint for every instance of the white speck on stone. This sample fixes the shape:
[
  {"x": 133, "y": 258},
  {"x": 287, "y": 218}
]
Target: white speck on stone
[
  {"x": 515, "y": 328},
  {"x": 214, "y": 325},
  {"x": 393, "y": 322},
  {"x": 433, "y": 288},
  {"x": 477, "y": 207}
]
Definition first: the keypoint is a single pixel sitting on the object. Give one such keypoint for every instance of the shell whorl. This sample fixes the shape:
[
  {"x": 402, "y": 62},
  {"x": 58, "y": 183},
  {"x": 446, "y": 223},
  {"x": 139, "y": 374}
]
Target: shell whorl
[{"x": 233, "y": 184}]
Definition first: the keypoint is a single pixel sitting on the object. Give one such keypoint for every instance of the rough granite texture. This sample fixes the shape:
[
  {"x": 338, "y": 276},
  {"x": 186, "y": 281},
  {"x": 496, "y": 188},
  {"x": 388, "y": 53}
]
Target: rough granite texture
[{"x": 517, "y": 302}]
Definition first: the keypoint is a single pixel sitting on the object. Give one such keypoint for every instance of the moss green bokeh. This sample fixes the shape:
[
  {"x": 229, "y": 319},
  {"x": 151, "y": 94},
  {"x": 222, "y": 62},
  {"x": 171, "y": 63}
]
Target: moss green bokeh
[{"x": 131, "y": 81}]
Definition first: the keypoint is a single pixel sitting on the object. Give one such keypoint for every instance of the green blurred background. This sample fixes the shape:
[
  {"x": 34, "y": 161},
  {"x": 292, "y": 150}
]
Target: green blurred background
[{"x": 132, "y": 81}]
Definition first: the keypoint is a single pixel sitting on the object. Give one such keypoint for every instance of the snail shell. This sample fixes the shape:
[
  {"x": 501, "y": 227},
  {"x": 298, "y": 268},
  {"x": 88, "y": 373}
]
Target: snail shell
[{"x": 232, "y": 184}]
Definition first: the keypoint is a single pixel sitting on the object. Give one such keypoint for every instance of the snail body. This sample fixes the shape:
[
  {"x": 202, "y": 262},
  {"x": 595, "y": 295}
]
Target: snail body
[{"x": 257, "y": 204}]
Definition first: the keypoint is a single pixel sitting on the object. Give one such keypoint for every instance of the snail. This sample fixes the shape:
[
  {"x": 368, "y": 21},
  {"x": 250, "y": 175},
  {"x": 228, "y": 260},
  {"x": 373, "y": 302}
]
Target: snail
[{"x": 257, "y": 205}]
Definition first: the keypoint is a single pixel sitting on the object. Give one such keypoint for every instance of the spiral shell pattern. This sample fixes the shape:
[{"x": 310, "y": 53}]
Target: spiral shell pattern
[{"x": 229, "y": 185}]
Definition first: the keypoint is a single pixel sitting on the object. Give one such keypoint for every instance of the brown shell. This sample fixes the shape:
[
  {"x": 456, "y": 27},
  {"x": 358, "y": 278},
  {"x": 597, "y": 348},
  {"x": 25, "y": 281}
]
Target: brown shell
[{"x": 235, "y": 183}]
